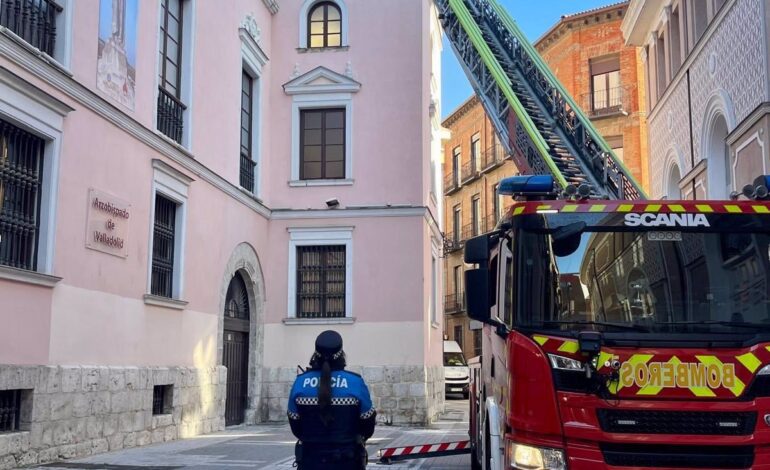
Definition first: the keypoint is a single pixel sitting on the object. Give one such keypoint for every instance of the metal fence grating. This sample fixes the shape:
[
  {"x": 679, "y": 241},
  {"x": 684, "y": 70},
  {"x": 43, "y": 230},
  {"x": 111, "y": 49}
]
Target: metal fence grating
[
  {"x": 10, "y": 410},
  {"x": 170, "y": 115},
  {"x": 32, "y": 20},
  {"x": 321, "y": 281},
  {"x": 21, "y": 174},
  {"x": 163, "y": 247}
]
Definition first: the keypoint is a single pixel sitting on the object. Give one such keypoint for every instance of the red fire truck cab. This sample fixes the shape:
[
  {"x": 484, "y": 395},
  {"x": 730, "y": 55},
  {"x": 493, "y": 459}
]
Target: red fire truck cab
[{"x": 621, "y": 334}]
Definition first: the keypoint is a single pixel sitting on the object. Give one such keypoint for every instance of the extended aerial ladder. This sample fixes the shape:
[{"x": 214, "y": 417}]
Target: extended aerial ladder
[{"x": 537, "y": 121}]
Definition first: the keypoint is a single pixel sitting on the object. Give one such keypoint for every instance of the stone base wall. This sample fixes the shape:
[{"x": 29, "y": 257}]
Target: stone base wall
[
  {"x": 402, "y": 395},
  {"x": 70, "y": 412}
]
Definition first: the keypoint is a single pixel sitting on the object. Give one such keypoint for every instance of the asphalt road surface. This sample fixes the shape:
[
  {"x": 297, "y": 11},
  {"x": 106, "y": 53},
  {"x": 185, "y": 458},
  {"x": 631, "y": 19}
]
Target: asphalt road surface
[{"x": 272, "y": 447}]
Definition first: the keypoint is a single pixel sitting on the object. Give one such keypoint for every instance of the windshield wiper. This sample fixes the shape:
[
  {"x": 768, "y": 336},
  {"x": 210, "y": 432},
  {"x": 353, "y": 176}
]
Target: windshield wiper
[
  {"x": 737, "y": 324},
  {"x": 624, "y": 326}
]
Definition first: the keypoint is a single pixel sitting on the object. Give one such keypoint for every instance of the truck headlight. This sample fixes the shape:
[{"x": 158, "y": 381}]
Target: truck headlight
[
  {"x": 565, "y": 363},
  {"x": 524, "y": 457}
]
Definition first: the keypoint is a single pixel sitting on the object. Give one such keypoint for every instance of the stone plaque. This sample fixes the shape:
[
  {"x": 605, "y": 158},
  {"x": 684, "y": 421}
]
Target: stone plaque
[{"x": 107, "y": 226}]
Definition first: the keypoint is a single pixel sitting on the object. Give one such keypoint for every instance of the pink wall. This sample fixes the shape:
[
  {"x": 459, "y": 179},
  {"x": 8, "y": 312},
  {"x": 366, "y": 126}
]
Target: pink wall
[{"x": 96, "y": 314}]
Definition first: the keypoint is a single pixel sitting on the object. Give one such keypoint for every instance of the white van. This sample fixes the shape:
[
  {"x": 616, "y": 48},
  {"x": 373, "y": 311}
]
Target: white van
[{"x": 456, "y": 371}]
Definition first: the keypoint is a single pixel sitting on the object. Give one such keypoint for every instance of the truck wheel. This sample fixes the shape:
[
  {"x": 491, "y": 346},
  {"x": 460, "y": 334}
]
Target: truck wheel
[
  {"x": 487, "y": 449},
  {"x": 475, "y": 465}
]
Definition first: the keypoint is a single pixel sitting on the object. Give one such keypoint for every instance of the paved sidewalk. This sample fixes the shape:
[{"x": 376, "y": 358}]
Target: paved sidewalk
[{"x": 272, "y": 447}]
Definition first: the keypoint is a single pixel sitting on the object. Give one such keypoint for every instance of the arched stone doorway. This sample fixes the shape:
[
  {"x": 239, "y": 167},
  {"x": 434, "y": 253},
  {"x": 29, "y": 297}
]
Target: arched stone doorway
[
  {"x": 236, "y": 350},
  {"x": 242, "y": 297}
]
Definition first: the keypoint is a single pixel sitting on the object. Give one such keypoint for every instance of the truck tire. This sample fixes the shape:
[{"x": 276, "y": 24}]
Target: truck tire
[{"x": 487, "y": 449}]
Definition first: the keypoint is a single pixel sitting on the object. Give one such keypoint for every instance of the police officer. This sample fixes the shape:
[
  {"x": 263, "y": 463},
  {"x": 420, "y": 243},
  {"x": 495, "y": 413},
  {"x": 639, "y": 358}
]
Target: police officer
[{"x": 330, "y": 411}]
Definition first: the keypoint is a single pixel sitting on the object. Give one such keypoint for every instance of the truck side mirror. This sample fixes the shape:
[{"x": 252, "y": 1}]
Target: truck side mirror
[
  {"x": 477, "y": 250},
  {"x": 477, "y": 294}
]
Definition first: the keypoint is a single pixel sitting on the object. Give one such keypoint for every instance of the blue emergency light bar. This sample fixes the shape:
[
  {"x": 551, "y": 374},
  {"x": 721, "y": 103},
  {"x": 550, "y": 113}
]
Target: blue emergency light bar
[{"x": 527, "y": 184}]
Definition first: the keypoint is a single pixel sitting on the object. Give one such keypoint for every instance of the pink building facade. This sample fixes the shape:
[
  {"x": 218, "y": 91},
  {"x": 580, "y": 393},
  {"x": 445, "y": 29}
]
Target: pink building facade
[{"x": 191, "y": 192}]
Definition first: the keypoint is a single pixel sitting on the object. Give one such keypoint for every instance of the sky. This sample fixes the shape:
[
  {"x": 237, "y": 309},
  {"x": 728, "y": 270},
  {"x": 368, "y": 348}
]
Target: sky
[{"x": 534, "y": 17}]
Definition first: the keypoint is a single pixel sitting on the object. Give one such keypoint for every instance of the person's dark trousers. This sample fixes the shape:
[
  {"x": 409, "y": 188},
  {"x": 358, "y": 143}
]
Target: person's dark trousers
[{"x": 331, "y": 457}]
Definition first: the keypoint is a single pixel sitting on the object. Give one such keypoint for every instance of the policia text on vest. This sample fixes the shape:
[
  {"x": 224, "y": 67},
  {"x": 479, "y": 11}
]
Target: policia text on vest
[{"x": 330, "y": 411}]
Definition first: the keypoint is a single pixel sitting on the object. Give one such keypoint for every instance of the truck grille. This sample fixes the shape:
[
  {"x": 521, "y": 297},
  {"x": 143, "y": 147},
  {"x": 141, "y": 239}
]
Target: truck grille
[
  {"x": 641, "y": 455},
  {"x": 677, "y": 422}
]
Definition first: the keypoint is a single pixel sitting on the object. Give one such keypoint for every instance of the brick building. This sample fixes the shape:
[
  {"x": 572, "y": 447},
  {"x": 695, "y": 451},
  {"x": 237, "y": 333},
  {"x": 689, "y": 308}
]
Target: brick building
[{"x": 588, "y": 55}]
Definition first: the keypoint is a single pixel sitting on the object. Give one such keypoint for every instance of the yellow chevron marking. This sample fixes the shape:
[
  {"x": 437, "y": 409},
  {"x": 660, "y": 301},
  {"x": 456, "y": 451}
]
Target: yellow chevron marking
[
  {"x": 569, "y": 346},
  {"x": 518, "y": 210},
  {"x": 544, "y": 207},
  {"x": 654, "y": 390},
  {"x": 737, "y": 387},
  {"x": 633, "y": 360},
  {"x": 704, "y": 208},
  {"x": 603, "y": 357},
  {"x": 569, "y": 208},
  {"x": 598, "y": 208},
  {"x": 761, "y": 209},
  {"x": 750, "y": 361},
  {"x": 733, "y": 209},
  {"x": 652, "y": 208},
  {"x": 625, "y": 208},
  {"x": 676, "y": 208},
  {"x": 541, "y": 340}
]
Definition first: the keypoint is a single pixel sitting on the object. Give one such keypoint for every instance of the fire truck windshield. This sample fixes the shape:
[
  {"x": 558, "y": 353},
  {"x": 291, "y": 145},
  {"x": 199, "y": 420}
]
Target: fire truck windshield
[{"x": 608, "y": 272}]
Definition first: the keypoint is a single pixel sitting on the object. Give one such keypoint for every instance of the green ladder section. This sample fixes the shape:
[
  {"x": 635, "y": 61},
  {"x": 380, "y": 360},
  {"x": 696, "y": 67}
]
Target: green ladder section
[{"x": 537, "y": 120}]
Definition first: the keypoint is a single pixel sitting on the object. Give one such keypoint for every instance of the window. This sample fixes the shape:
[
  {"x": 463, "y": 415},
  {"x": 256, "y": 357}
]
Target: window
[
  {"x": 475, "y": 153},
  {"x": 477, "y": 342},
  {"x": 605, "y": 83},
  {"x": 322, "y": 144},
  {"x": 321, "y": 281},
  {"x": 616, "y": 144},
  {"x": 699, "y": 10},
  {"x": 325, "y": 26},
  {"x": 21, "y": 179},
  {"x": 320, "y": 272},
  {"x": 35, "y": 21},
  {"x": 660, "y": 65},
  {"x": 10, "y": 410},
  {"x": 163, "y": 247},
  {"x": 456, "y": 223},
  {"x": 496, "y": 199},
  {"x": 476, "y": 215},
  {"x": 458, "y": 335},
  {"x": 456, "y": 161},
  {"x": 457, "y": 277},
  {"x": 162, "y": 396},
  {"x": 433, "y": 287},
  {"x": 170, "y": 106},
  {"x": 247, "y": 111}
]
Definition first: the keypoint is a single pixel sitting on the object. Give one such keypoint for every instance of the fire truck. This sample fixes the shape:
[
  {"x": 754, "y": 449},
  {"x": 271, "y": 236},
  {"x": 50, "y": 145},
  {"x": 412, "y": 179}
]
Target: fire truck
[{"x": 621, "y": 333}]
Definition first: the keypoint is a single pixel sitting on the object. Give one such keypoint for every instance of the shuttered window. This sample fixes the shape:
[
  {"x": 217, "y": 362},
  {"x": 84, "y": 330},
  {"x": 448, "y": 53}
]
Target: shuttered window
[
  {"x": 321, "y": 281},
  {"x": 164, "y": 234},
  {"x": 322, "y": 144}
]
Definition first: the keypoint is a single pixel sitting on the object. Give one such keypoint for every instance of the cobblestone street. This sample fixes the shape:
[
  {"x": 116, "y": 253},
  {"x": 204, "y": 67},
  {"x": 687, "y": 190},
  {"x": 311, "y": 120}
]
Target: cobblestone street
[{"x": 272, "y": 447}]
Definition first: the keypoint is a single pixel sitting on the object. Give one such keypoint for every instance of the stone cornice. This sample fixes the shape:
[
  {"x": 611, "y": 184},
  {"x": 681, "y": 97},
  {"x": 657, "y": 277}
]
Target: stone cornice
[
  {"x": 461, "y": 111},
  {"x": 272, "y": 6},
  {"x": 588, "y": 18}
]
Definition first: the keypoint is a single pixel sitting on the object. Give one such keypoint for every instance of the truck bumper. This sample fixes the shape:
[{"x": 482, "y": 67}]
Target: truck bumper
[{"x": 453, "y": 387}]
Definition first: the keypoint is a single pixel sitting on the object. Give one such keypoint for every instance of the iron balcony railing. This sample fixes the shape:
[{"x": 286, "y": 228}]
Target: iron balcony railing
[
  {"x": 454, "y": 303},
  {"x": 32, "y": 20},
  {"x": 247, "y": 172},
  {"x": 451, "y": 183},
  {"x": 493, "y": 156},
  {"x": 170, "y": 115},
  {"x": 606, "y": 102},
  {"x": 471, "y": 170},
  {"x": 452, "y": 242}
]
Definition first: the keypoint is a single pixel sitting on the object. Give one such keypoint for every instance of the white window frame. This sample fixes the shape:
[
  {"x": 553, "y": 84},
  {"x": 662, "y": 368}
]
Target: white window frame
[
  {"x": 33, "y": 110},
  {"x": 253, "y": 59},
  {"x": 189, "y": 9},
  {"x": 306, "y": 95},
  {"x": 320, "y": 236},
  {"x": 303, "y": 20},
  {"x": 171, "y": 184}
]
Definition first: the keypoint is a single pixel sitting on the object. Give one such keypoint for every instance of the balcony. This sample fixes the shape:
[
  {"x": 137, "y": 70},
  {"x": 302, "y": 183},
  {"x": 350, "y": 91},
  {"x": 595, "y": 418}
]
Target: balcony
[
  {"x": 170, "y": 115},
  {"x": 452, "y": 242},
  {"x": 451, "y": 183},
  {"x": 32, "y": 20},
  {"x": 471, "y": 170},
  {"x": 454, "y": 303},
  {"x": 492, "y": 157},
  {"x": 247, "y": 172},
  {"x": 609, "y": 102}
]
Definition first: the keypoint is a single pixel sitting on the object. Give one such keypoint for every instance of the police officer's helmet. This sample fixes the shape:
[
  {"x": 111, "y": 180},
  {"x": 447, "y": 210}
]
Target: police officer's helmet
[{"x": 329, "y": 344}]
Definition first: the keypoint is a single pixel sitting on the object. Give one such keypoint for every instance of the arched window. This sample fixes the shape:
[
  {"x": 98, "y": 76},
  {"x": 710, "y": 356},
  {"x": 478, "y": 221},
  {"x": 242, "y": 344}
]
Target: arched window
[
  {"x": 324, "y": 27},
  {"x": 674, "y": 176}
]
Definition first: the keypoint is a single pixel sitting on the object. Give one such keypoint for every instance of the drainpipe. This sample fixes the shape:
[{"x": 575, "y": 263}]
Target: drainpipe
[{"x": 692, "y": 143}]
